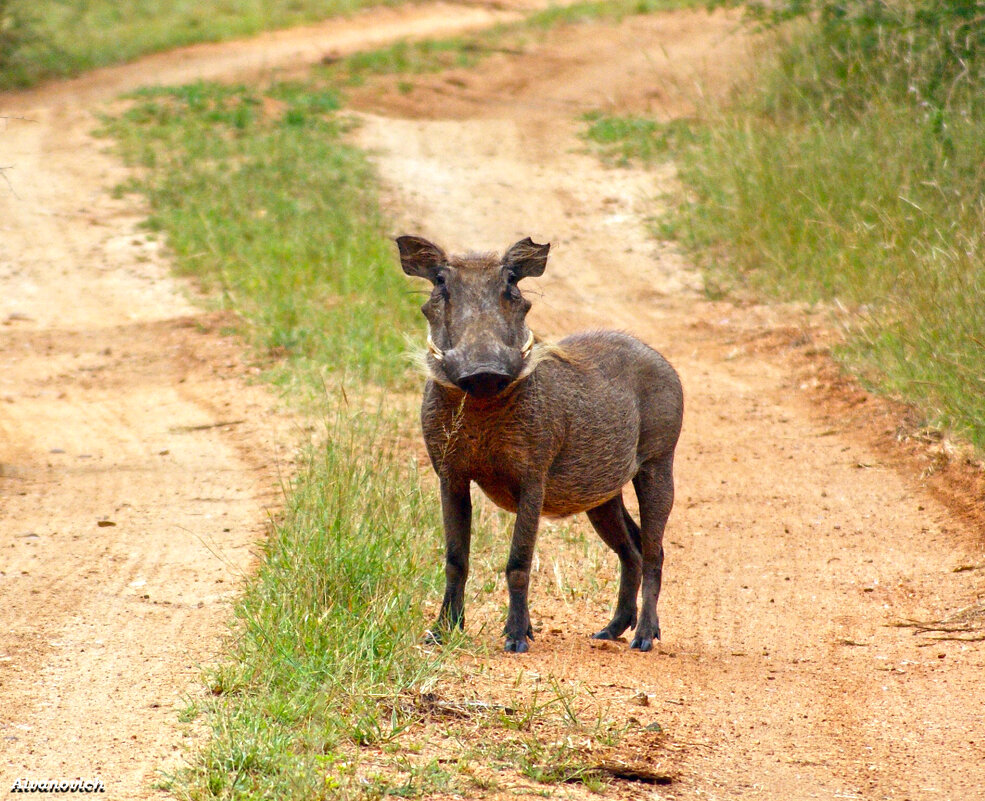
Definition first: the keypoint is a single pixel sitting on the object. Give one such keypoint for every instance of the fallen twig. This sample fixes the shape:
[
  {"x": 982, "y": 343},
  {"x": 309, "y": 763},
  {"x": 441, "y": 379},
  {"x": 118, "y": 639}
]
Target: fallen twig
[
  {"x": 633, "y": 772},
  {"x": 970, "y": 620},
  {"x": 204, "y": 426}
]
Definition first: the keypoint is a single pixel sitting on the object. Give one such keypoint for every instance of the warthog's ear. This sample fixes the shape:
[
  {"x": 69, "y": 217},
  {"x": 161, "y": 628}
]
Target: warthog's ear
[
  {"x": 526, "y": 259},
  {"x": 420, "y": 258}
]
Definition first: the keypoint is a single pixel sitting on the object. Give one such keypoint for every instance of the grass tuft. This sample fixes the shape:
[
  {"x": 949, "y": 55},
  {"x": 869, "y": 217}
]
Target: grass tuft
[
  {"x": 411, "y": 58},
  {"x": 831, "y": 182},
  {"x": 329, "y": 628},
  {"x": 266, "y": 206},
  {"x": 58, "y": 38}
]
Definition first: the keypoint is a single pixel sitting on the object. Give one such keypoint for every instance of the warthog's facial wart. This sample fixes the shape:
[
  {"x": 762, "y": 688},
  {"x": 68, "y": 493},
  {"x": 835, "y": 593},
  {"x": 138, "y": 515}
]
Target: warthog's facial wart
[
  {"x": 478, "y": 340},
  {"x": 439, "y": 354}
]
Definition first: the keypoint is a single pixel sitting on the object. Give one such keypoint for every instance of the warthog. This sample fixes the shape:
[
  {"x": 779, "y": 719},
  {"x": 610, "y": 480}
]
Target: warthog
[{"x": 543, "y": 429}]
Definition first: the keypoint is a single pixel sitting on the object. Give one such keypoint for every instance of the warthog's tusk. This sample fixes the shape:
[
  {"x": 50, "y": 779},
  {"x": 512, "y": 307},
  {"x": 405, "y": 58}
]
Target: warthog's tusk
[
  {"x": 434, "y": 350},
  {"x": 528, "y": 345},
  {"x": 438, "y": 354}
]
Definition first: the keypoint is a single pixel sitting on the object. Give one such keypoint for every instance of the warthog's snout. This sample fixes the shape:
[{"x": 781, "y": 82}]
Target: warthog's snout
[
  {"x": 484, "y": 372},
  {"x": 483, "y": 375},
  {"x": 484, "y": 383}
]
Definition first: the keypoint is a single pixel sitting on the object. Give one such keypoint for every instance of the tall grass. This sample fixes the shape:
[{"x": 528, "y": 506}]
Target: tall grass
[
  {"x": 264, "y": 204},
  {"x": 329, "y": 628},
  {"x": 57, "y": 38},
  {"x": 262, "y": 201},
  {"x": 879, "y": 215},
  {"x": 854, "y": 174}
]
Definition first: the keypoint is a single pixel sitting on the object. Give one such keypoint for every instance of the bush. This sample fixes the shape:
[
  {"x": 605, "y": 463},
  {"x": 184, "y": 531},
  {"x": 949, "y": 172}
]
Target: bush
[
  {"x": 922, "y": 52},
  {"x": 15, "y": 34}
]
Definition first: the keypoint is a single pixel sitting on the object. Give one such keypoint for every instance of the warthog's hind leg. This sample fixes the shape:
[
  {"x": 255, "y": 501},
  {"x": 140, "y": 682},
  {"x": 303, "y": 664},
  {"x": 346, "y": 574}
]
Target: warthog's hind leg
[
  {"x": 655, "y": 490},
  {"x": 619, "y": 531}
]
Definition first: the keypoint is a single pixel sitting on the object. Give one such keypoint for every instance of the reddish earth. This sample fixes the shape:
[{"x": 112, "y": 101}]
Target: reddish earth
[{"x": 800, "y": 538}]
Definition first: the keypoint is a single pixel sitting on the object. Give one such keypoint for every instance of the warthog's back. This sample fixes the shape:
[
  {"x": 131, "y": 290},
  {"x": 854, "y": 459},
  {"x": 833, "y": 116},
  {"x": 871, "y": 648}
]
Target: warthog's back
[{"x": 621, "y": 404}]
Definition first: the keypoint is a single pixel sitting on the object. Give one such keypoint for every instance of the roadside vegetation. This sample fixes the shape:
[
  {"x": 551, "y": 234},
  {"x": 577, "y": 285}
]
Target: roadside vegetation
[
  {"x": 852, "y": 173},
  {"x": 327, "y": 690},
  {"x": 265, "y": 205},
  {"x": 42, "y": 39}
]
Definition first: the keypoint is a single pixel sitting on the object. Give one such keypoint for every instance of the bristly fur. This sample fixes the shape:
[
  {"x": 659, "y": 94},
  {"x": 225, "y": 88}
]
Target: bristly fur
[
  {"x": 540, "y": 352},
  {"x": 474, "y": 260},
  {"x": 419, "y": 360}
]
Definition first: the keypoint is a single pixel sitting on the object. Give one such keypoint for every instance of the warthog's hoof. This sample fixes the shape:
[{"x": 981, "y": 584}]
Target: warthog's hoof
[
  {"x": 643, "y": 641},
  {"x": 605, "y": 634},
  {"x": 516, "y": 646}
]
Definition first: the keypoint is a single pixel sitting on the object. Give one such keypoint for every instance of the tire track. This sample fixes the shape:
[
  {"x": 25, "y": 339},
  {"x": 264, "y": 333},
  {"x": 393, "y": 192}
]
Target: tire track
[
  {"x": 113, "y": 391},
  {"x": 792, "y": 548}
]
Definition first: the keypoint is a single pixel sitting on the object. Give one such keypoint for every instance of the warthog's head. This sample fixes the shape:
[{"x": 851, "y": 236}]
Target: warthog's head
[{"x": 479, "y": 340}]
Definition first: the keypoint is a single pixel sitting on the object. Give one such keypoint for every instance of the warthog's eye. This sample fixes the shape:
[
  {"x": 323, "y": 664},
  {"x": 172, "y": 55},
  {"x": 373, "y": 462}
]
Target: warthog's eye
[
  {"x": 511, "y": 292},
  {"x": 440, "y": 287}
]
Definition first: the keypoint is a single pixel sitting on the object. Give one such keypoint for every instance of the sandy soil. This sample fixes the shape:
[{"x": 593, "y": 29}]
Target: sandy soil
[
  {"x": 137, "y": 464},
  {"x": 796, "y": 542}
]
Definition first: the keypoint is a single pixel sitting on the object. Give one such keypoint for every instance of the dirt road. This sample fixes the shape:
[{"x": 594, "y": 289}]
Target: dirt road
[
  {"x": 792, "y": 549},
  {"x": 137, "y": 465}
]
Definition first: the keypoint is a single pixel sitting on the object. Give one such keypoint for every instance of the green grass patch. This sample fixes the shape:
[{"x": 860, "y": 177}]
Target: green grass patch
[
  {"x": 265, "y": 205},
  {"x": 410, "y": 58},
  {"x": 58, "y": 38},
  {"x": 625, "y": 141},
  {"x": 262, "y": 201},
  {"x": 602, "y": 11},
  {"x": 831, "y": 182},
  {"x": 327, "y": 648}
]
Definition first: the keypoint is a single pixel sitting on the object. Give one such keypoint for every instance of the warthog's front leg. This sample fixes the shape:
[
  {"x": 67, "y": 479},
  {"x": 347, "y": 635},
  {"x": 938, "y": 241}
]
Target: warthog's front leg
[
  {"x": 655, "y": 491},
  {"x": 518, "y": 629},
  {"x": 456, "y": 511}
]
